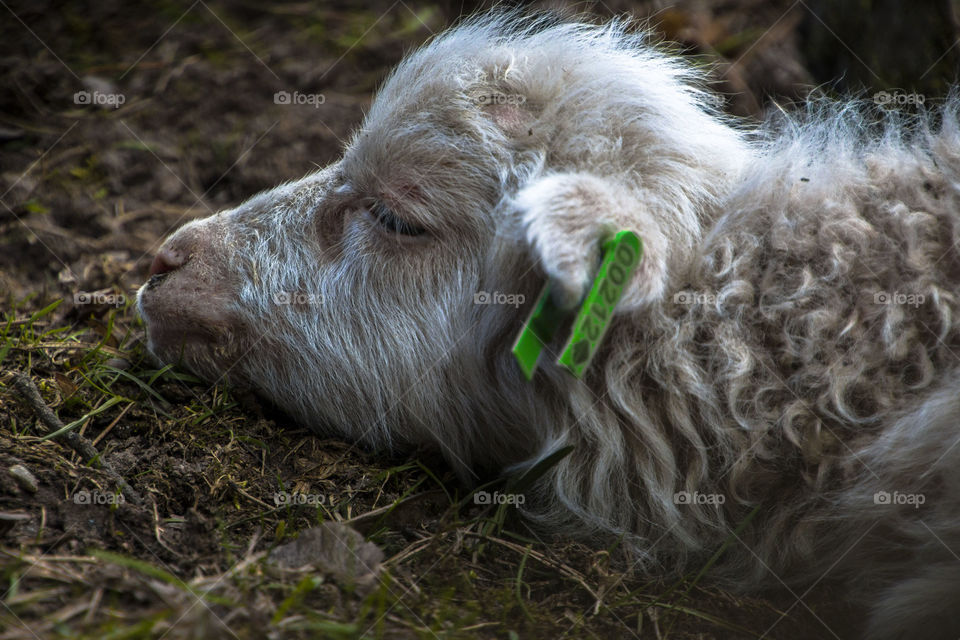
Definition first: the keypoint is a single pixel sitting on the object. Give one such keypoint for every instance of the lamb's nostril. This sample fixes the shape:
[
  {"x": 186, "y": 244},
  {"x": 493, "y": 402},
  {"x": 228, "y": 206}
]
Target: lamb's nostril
[{"x": 166, "y": 260}]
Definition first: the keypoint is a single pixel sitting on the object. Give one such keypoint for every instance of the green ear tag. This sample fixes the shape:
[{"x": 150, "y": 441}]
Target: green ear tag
[
  {"x": 621, "y": 255},
  {"x": 538, "y": 330}
]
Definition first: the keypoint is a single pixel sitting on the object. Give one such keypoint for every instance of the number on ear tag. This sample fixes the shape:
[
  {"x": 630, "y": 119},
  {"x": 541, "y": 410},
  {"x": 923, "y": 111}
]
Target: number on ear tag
[{"x": 621, "y": 255}]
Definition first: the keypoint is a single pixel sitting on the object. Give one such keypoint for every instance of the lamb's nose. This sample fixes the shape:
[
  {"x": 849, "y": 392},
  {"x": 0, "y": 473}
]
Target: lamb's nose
[{"x": 167, "y": 260}]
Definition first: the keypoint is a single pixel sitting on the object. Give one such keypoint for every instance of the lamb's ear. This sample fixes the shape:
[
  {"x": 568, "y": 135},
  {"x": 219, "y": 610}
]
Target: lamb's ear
[
  {"x": 515, "y": 120},
  {"x": 567, "y": 216},
  {"x": 510, "y": 110}
]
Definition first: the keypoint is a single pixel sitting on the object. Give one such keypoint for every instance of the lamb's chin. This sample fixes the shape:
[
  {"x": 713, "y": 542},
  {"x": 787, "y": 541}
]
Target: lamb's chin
[
  {"x": 211, "y": 367},
  {"x": 205, "y": 344}
]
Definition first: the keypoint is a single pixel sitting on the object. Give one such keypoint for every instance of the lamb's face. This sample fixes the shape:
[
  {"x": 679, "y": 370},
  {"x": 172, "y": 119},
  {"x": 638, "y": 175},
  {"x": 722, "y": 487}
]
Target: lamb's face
[
  {"x": 348, "y": 297},
  {"x": 488, "y": 163}
]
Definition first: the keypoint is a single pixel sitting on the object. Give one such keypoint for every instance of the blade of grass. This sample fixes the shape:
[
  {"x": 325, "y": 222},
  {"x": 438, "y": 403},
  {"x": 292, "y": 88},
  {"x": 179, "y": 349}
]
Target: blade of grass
[
  {"x": 518, "y": 584},
  {"x": 76, "y": 423},
  {"x": 537, "y": 471},
  {"x": 305, "y": 586}
]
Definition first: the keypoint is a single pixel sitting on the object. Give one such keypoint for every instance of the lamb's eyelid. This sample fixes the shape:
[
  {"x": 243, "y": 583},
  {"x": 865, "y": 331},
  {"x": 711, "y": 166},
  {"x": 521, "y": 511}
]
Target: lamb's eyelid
[
  {"x": 388, "y": 217},
  {"x": 400, "y": 206}
]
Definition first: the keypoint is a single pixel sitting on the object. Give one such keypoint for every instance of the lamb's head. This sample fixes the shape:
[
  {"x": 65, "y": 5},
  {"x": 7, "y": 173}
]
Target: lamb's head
[{"x": 496, "y": 156}]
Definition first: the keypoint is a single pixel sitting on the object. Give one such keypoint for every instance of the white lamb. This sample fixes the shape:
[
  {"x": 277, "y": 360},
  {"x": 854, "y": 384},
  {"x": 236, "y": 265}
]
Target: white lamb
[{"x": 789, "y": 345}]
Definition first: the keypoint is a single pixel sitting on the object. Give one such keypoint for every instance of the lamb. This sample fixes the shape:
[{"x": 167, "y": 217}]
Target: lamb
[{"x": 786, "y": 353}]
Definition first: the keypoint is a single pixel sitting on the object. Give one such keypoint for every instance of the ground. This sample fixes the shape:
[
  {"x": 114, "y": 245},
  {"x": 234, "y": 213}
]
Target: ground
[{"x": 116, "y": 126}]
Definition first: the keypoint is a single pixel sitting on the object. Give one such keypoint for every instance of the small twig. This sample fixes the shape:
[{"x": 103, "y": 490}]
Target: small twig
[
  {"x": 75, "y": 441},
  {"x": 156, "y": 530},
  {"x": 93, "y": 605},
  {"x": 111, "y": 425}
]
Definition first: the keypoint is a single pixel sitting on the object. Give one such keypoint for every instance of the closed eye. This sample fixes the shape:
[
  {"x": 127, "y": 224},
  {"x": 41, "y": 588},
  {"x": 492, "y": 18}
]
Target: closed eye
[{"x": 391, "y": 223}]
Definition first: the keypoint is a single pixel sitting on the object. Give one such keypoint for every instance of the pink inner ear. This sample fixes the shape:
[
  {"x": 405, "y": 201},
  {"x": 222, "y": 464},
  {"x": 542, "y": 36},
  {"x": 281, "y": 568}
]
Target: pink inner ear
[{"x": 513, "y": 120}]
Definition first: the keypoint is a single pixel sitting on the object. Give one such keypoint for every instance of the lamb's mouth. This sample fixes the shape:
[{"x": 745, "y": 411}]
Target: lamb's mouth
[
  {"x": 196, "y": 331},
  {"x": 208, "y": 352}
]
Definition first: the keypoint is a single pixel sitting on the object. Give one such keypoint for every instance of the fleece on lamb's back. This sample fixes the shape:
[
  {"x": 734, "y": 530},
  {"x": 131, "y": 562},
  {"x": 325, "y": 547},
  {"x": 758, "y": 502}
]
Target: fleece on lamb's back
[
  {"x": 832, "y": 344},
  {"x": 819, "y": 318}
]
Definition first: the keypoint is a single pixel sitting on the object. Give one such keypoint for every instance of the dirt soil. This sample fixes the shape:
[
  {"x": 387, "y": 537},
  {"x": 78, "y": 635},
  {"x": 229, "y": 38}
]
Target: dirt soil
[{"x": 120, "y": 122}]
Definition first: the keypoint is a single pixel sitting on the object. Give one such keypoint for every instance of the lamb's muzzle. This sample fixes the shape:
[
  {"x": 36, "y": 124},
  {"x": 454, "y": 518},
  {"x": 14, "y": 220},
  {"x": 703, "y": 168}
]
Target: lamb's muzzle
[{"x": 790, "y": 343}]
